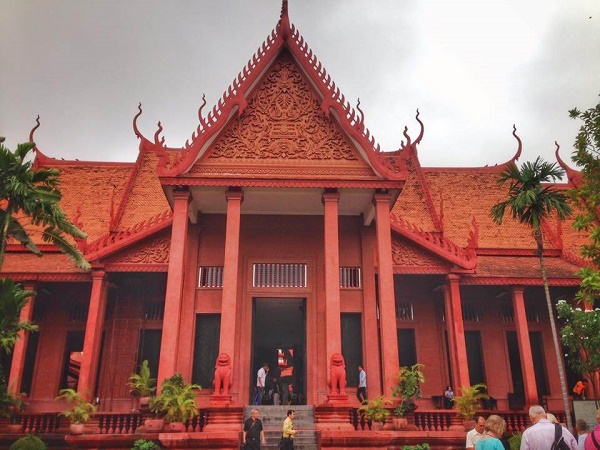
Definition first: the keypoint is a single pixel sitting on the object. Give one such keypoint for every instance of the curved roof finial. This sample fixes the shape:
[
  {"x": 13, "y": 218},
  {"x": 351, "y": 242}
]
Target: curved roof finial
[
  {"x": 135, "y": 118},
  {"x": 418, "y": 140},
  {"x": 284, "y": 21},
  {"x": 361, "y": 119},
  {"x": 37, "y": 120},
  {"x": 519, "y": 148}
]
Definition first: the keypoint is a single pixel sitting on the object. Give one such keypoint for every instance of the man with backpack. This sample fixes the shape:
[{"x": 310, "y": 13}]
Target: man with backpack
[{"x": 544, "y": 435}]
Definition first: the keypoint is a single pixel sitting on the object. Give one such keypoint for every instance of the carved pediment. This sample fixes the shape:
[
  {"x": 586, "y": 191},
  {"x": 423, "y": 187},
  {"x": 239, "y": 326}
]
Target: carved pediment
[
  {"x": 405, "y": 253},
  {"x": 154, "y": 250},
  {"x": 283, "y": 130}
]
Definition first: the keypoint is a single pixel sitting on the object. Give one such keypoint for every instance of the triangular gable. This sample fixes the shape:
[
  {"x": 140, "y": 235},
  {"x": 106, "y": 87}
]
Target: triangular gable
[
  {"x": 409, "y": 257},
  {"x": 284, "y": 133},
  {"x": 152, "y": 251}
]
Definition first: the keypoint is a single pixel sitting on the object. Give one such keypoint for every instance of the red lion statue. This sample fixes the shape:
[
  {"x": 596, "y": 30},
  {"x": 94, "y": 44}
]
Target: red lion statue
[
  {"x": 337, "y": 374},
  {"x": 222, "y": 381}
]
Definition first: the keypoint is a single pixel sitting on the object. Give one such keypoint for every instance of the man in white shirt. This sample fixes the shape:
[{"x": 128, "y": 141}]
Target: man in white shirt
[
  {"x": 261, "y": 378},
  {"x": 361, "y": 393},
  {"x": 540, "y": 436},
  {"x": 475, "y": 434}
]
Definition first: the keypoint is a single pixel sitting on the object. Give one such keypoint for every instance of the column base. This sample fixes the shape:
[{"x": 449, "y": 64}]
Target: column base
[
  {"x": 219, "y": 400},
  {"x": 333, "y": 418}
]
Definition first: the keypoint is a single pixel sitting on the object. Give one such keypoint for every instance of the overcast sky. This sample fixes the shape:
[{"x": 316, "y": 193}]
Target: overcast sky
[{"x": 472, "y": 67}]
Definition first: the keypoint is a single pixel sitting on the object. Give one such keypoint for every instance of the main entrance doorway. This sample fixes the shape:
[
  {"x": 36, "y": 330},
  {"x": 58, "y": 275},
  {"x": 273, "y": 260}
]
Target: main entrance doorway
[{"x": 279, "y": 339}]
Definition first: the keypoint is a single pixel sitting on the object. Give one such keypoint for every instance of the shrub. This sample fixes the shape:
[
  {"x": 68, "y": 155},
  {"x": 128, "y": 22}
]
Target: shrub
[
  {"x": 416, "y": 447},
  {"x": 29, "y": 442},
  {"x": 143, "y": 444},
  {"x": 515, "y": 441}
]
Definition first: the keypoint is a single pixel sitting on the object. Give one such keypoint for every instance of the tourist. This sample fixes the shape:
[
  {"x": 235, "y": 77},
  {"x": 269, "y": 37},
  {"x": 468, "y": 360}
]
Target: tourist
[
  {"x": 288, "y": 431},
  {"x": 361, "y": 393},
  {"x": 448, "y": 396},
  {"x": 581, "y": 428},
  {"x": 476, "y": 433},
  {"x": 254, "y": 434},
  {"x": 540, "y": 436},
  {"x": 592, "y": 441},
  {"x": 579, "y": 390},
  {"x": 493, "y": 431},
  {"x": 261, "y": 377}
]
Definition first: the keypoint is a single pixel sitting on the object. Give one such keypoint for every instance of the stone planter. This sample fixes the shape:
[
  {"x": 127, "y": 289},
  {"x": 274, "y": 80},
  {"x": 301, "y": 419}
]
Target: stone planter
[
  {"x": 77, "y": 428},
  {"x": 14, "y": 428},
  {"x": 154, "y": 425},
  {"x": 400, "y": 423},
  {"x": 175, "y": 427}
]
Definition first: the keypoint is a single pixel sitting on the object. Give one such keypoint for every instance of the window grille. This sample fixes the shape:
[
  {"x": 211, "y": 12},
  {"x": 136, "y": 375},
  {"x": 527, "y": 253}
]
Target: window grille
[
  {"x": 404, "y": 311},
  {"x": 284, "y": 275},
  {"x": 508, "y": 314},
  {"x": 350, "y": 277},
  {"x": 471, "y": 313},
  {"x": 210, "y": 277},
  {"x": 153, "y": 310},
  {"x": 532, "y": 313},
  {"x": 78, "y": 312}
]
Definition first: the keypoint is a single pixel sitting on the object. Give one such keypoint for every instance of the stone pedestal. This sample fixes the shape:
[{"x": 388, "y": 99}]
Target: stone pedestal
[
  {"x": 224, "y": 418},
  {"x": 220, "y": 400},
  {"x": 337, "y": 399},
  {"x": 333, "y": 418}
]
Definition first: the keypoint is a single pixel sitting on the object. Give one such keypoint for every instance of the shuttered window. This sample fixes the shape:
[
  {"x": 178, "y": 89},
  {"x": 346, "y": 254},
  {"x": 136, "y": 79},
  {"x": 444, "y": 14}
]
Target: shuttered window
[{"x": 280, "y": 275}]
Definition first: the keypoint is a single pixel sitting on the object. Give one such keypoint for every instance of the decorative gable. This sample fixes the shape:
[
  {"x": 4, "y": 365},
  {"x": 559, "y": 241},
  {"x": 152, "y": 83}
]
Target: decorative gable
[
  {"x": 283, "y": 131},
  {"x": 150, "y": 254},
  {"x": 411, "y": 258}
]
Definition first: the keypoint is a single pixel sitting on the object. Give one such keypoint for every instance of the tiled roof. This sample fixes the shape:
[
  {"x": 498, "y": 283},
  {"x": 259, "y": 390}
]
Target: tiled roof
[
  {"x": 522, "y": 267},
  {"x": 26, "y": 262}
]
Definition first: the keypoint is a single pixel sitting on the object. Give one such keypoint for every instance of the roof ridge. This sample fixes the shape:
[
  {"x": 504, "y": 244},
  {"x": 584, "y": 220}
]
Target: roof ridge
[
  {"x": 440, "y": 245},
  {"x": 113, "y": 241}
]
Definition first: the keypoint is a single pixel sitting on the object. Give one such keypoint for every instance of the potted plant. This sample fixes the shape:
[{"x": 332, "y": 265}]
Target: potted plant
[
  {"x": 176, "y": 402},
  {"x": 80, "y": 410},
  {"x": 12, "y": 407},
  {"x": 142, "y": 385},
  {"x": 468, "y": 403},
  {"x": 407, "y": 390},
  {"x": 375, "y": 411}
]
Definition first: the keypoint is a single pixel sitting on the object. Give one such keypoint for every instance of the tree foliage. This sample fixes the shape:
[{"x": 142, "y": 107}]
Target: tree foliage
[
  {"x": 29, "y": 203},
  {"x": 587, "y": 198},
  {"x": 581, "y": 335}
]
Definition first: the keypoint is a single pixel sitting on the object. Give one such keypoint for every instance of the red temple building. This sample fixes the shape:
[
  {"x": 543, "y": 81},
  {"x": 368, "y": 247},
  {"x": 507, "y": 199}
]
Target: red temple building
[{"x": 281, "y": 233}]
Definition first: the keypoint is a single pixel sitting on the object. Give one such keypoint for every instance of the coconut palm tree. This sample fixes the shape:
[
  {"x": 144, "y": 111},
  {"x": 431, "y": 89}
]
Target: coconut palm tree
[
  {"x": 31, "y": 197},
  {"x": 530, "y": 202}
]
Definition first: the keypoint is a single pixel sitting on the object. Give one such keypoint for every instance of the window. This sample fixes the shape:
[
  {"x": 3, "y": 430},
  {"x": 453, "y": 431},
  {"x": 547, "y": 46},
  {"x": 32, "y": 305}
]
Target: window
[
  {"x": 284, "y": 275},
  {"x": 407, "y": 350},
  {"x": 350, "y": 277},
  {"x": 210, "y": 277},
  {"x": 352, "y": 345}
]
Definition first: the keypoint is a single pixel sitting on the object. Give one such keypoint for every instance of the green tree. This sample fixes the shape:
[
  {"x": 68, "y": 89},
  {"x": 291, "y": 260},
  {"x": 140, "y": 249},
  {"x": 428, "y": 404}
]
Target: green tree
[
  {"x": 531, "y": 202},
  {"x": 587, "y": 198},
  {"x": 33, "y": 196},
  {"x": 581, "y": 335}
]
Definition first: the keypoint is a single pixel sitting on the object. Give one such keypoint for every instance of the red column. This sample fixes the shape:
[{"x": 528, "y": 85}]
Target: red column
[
  {"x": 387, "y": 302},
  {"x": 173, "y": 297},
  {"x": 451, "y": 336},
  {"x": 333, "y": 326},
  {"x": 93, "y": 335},
  {"x": 230, "y": 273},
  {"x": 18, "y": 359},
  {"x": 529, "y": 384},
  {"x": 371, "y": 361},
  {"x": 459, "y": 351}
]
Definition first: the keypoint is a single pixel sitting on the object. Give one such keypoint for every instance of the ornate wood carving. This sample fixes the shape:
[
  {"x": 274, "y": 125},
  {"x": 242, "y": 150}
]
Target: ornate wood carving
[
  {"x": 405, "y": 254},
  {"x": 151, "y": 251},
  {"x": 283, "y": 122}
]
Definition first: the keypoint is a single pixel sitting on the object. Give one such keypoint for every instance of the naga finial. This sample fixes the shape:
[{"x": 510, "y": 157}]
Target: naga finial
[
  {"x": 135, "y": 118},
  {"x": 418, "y": 140},
  {"x": 362, "y": 115},
  {"x": 519, "y": 147},
  {"x": 156, "y": 135},
  {"x": 37, "y": 120}
]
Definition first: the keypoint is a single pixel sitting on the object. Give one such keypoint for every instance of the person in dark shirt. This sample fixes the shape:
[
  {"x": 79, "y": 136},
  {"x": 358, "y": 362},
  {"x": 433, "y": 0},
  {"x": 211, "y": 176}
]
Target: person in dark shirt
[{"x": 254, "y": 434}]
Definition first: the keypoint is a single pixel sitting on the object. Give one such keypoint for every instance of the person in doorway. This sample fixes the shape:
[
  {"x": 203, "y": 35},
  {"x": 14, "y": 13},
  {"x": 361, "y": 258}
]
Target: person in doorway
[
  {"x": 579, "y": 390},
  {"x": 592, "y": 441},
  {"x": 448, "y": 396},
  {"x": 261, "y": 378},
  {"x": 254, "y": 434},
  {"x": 540, "y": 436},
  {"x": 289, "y": 433},
  {"x": 276, "y": 394},
  {"x": 476, "y": 433},
  {"x": 581, "y": 429},
  {"x": 361, "y": 393}
]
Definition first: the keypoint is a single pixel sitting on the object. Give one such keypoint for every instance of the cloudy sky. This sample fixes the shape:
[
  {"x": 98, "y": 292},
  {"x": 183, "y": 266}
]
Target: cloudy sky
[{"x": 472, "y": 67}]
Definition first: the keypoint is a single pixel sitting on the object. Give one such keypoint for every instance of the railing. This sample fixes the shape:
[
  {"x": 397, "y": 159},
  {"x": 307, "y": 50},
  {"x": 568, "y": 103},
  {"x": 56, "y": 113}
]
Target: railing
[
  {"x": 46, "y": 423},
  {"x": 127, "y": 423}
]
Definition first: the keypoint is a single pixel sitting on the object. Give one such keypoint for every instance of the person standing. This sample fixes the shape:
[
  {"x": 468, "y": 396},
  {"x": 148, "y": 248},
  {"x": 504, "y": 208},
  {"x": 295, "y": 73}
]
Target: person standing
[
  {"x": 261, "y": 378},
  {"x": 579, "y": 390},
  {"x": 581, "y": 428},
  {"x": 361, "y": 393},
  {"x": 493, "y": 431},
  {"x": 592, "y": 441},
  {"x": 476, "y": 433},
  {"x": 448, "y": 396},
  {"x": 254, "y": 434},
  {"x": 289, "y": 433},
  {"x": 540, "y": 436}
]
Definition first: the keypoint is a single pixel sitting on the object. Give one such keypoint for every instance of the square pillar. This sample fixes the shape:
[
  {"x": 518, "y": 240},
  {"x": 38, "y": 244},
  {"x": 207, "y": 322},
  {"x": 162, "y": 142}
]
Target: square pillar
[
  {"x": 15, "y": 377},
  {"x": 167, "y": 364},
  {"x": 390, "y": 362},
  {"x": 93, "y": 335},
  {"x": 529, "y": 384},
  {"x": 230, "y": 273},
  {"x": 458, "y": 351}
]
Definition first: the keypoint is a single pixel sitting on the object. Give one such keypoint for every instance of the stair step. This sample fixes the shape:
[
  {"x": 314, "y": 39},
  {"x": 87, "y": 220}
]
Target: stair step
[{"x": 272, "y": 418}]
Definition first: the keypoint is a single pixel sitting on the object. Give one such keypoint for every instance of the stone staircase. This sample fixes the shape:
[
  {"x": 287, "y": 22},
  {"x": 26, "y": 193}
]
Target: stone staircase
[{"x": 272, "y": 418}]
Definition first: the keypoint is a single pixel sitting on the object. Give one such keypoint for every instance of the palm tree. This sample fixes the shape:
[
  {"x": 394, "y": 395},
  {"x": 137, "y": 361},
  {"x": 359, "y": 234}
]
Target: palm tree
[
  {"x": 531, "y": 203},
  {"x": 33, "y": 196}
]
